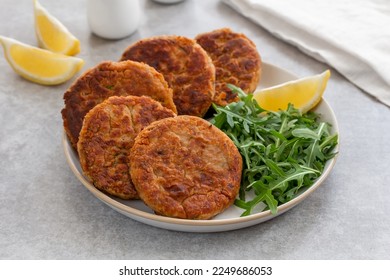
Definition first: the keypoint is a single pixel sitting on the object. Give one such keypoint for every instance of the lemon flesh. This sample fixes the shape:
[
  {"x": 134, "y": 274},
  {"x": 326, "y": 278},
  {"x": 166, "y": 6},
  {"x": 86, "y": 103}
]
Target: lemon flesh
[
  {"x": 38, "y": 65},
  {"x": 52, "y": 34},
  {"x": 303, "y": 93}
]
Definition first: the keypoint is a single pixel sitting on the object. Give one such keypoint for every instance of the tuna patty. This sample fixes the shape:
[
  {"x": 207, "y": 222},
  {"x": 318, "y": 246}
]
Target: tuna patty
[
  {"x": 185, "y": 66},
  {"x": 106, "y": 139},
  {"x": 236, "y": 62},
  {"x": 111, "y": 79},
  {"x": 185, "y": 167}
]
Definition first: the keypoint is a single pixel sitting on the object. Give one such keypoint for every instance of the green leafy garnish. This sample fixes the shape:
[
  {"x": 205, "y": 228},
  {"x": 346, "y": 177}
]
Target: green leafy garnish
[{"x": 283, "y": 152}]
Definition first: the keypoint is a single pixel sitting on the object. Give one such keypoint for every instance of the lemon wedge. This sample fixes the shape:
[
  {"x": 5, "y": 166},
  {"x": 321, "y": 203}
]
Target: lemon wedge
[
  {"x": 52, "y": 34},
  {"x": 38, "y": 65},
  {"x": 303, "y": 93}
]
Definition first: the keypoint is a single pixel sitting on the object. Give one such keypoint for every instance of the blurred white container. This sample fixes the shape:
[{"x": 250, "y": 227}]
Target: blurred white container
[{"x": 113, "y": 19}]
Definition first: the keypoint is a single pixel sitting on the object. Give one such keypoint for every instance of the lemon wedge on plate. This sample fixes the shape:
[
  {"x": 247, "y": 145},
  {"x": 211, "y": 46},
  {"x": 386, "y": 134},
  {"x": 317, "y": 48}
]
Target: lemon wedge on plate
[
  {"x": 38, "y": 65},
  {"x": 303, "y": 93},
  {"x": 52, "y": 34}
]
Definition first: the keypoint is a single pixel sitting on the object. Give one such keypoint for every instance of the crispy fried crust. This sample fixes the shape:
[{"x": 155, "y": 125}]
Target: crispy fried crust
[
  {"x": 236, "y": 62},
  {"x": 186, "y": 67},
  {"x": 106, "y": 139},
  {"x": 111, "y": 79},
  {"x": 185, "y": 167}
]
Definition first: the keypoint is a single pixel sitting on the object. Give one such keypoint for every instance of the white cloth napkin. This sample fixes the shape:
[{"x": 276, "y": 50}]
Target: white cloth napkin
[{"x": 353, "y": 36}]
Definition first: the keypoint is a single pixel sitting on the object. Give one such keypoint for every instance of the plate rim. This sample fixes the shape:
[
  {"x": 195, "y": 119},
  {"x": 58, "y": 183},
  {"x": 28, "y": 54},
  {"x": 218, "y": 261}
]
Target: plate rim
[{"x": 261, "y": 216}]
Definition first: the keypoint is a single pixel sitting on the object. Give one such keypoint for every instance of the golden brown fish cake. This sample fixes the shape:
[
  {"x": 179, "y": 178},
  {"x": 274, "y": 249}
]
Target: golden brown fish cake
[
  {"x": 111, "y": 79},
  {"x": 185, "y": 66},
  {"x": 236, "y": 62},
  {"x": 106, "y": 138},
  {"x": 185, "y": 167}
]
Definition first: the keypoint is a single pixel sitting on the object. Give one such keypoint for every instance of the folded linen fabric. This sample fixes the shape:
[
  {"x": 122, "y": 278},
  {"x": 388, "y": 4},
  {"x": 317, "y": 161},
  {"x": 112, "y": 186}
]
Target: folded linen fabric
[{"x": 353, "y": 36}]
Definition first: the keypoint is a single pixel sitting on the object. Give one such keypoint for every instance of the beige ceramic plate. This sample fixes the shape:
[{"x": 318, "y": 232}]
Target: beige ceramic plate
[{"x": 228, "y": 220}]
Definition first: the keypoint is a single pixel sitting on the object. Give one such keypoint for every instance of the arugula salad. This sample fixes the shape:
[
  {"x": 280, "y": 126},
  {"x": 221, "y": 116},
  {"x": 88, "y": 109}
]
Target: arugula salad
[{"x": 283, "y": 152}]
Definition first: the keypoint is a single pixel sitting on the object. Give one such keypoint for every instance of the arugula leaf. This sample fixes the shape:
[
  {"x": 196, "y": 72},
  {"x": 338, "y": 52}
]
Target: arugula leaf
[
  {"x": 305, "y": 133},
  {"x": 283, "y": 152}
]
